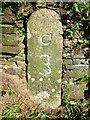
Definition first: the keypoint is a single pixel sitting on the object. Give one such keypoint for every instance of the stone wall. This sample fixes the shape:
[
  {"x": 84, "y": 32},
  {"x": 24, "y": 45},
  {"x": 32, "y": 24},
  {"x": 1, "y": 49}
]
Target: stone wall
[
  {"x": 75, "y": 67},
  {"x": 12, "y": 56}
]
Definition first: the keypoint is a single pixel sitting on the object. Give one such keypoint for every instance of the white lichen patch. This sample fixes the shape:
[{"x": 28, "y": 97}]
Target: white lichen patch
[
  {"x": 32, "y": 79},
  {"x": 41, "y": 79},
  {"x": 65, "y": 82},
  {"x": 41, "y": 27},
  {"x": 28, "y": 33},
  {"x": 59, "y": 71},
  {"x": 58, "y": 95},
  {"x": 42, "y": 95},
  {"x": 71, "y": 82},
  {"x": 34, "y": 66},
  {"x": 53, "y": 90},
  {"x": 29, "y": 76},
  {"x": 48, "y": 79},
  {"x": 59, "y": 80}
]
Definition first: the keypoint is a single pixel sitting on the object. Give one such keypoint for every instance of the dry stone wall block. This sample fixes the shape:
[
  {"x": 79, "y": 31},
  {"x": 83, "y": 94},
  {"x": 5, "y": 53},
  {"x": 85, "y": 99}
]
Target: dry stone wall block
[{"x": 12, "y": 56}]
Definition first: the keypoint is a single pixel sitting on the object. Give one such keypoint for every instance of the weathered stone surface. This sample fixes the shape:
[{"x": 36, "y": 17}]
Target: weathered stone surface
[
  {"x": 11, "y": 39},
  {"x": 14, "y": 68},
  {"x": 74, "y": 70},
  {"x": 12, "y": 53},
  {"x": 5, "y": 56},
  {"x": 76, "y": 91},
  {"x": 8, "y": 16},
  {"x": 67, "y": 61},
  {"x": 12, "y": 49},
  {"x": 81, "y": 61},
  {"x": 79, "y": 71},
  {"x": 4, "y": 19},
  {"x": 45, "y": 57},
  {"x": 19, "y": 57},
  {"x": 9, "y": 30}
]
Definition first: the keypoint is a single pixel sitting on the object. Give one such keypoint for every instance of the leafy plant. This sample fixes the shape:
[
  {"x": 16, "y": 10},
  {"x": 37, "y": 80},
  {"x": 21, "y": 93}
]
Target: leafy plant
[
  {"x": 79, "y": 8},
  {"x": 78, "y": 24},
  {"x": 76, "y": 111},
  {"x": 11, "y": 93},
  {"x": 11, "y": 111},
  {"x": 39, "y": 115},
  {"x": 86, "y": 78}
]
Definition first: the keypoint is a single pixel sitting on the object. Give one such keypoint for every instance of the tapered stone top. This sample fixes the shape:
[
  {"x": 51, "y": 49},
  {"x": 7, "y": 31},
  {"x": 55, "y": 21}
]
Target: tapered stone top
[{"x": 45, "y": 57}]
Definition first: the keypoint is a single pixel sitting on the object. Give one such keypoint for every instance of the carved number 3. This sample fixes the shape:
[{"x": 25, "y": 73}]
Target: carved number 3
[{"x": 47, "y": 64}]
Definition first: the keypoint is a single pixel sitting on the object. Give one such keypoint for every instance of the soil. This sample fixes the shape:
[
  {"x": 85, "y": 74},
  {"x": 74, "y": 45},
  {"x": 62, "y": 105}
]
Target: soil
[{"x": 21, "y": 97}]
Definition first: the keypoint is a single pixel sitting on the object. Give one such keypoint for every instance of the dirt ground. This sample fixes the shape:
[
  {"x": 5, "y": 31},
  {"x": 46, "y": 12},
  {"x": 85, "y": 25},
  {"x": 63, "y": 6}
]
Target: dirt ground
[{"x": 20, "y": 95}]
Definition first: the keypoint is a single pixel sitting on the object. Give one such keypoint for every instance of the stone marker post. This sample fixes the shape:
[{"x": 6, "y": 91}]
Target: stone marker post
[{"x": 45, "y": 57}]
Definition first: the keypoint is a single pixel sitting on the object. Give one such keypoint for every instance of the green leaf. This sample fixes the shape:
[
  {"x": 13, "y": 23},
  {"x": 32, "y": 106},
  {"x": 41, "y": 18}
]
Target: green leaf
[
  {"x": 69, "y": 11},
  {"x": 88, "y": 4},
  {"x": 86, "y": 78},
  {"x": 78, "y": 8},
  {"x": 44, "y": 117},
  {"x": 11, "y": 93},
  {"x": 86, "y": 41},
  {"x": 36, "y": 113},
  {"x": 78, "y": 24}
]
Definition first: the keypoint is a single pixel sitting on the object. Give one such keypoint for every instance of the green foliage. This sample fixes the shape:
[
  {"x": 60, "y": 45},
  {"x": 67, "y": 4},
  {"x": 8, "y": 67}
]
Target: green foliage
[
  {"x": 39, "y": 115},
  {"x": 79, "y": 13},
  {"x": 11, "y": 111},
  {"x": 14, "y": 6},
  {"x": 85, "y": 79},
  {"x": 79, "y": 8},
  {"x": 84, "y": 7},
  {"x": 76, "y": 110},
  {"x": 11, "y": 92},
  {"x": 72, "y": 31},
  {"x": 41, "y": 4}
]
